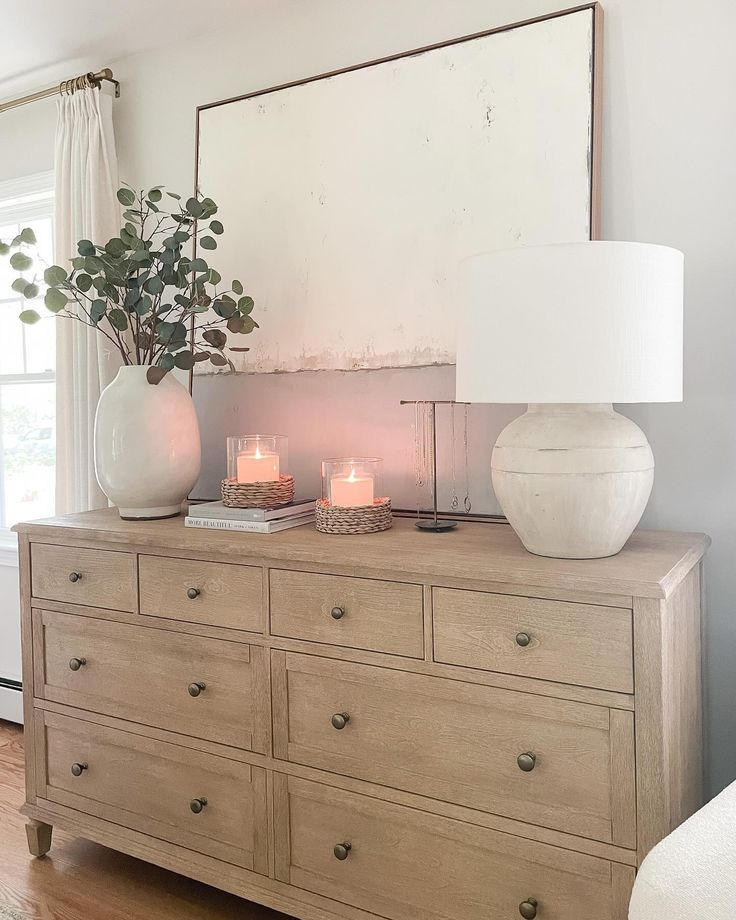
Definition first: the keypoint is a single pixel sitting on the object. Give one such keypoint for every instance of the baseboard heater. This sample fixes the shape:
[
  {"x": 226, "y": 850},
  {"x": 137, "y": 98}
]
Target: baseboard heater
[{"x": 11, "y": 700}]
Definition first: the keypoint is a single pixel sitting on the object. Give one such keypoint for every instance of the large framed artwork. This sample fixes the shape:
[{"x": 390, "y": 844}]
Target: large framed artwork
[{"x": 350, "y": 197}]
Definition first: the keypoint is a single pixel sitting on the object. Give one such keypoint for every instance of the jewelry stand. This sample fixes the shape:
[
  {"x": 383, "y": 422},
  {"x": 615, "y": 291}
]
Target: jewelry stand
[{"x": 434, "y": 524}]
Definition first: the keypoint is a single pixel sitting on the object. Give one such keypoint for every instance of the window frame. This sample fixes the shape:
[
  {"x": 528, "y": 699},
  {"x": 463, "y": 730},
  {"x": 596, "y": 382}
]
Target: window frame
[{"x": 23, "y": 199}]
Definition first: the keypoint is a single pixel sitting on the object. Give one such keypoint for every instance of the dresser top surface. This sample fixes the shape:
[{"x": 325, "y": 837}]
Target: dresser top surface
[{"x": 650, "y": 565}]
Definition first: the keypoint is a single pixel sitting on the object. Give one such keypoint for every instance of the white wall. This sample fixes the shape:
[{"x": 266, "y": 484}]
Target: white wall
[{"x": 669, "y": 177}]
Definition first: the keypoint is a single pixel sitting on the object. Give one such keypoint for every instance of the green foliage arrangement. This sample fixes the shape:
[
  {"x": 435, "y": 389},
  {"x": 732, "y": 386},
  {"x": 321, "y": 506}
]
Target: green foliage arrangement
[{"x": 157, "y": 305}]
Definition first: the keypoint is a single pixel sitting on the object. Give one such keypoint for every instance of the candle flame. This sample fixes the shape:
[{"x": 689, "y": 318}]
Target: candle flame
[{"x": 352, "y": 477}]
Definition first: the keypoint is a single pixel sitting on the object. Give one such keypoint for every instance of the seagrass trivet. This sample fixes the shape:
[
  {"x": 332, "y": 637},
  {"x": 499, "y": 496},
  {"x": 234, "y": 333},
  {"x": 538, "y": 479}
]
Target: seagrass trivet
[
  {"x": 258, "y": 494},
  {"x": 363, "y": 519}
]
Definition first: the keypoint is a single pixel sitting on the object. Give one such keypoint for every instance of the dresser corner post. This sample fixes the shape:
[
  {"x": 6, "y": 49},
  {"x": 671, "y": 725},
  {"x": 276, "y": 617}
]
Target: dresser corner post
[{"x": 669, "y": 716}]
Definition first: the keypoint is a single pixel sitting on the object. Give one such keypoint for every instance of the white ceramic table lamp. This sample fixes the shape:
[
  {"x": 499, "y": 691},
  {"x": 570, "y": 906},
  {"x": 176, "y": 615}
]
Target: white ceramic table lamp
[{"x": 570, "y": 329}]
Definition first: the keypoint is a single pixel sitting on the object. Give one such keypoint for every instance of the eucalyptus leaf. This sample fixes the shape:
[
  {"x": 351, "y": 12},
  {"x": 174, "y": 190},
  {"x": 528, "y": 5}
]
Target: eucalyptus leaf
[
  {"x": 55, "y": 274},
  {"x": 216, "y": 227},
  {"x": 29, "y": 317},
  {"x": 245, "y": 305},
  {"x": 31, "y": 291},
  {"x": 207, "y": 242},
  {"x": 237, "y": 287},
  {"x": 85, "y": 248},
  {"x": 154, "y": 375},
  {"x": 126, "y": 197},
  {"x": 20, "y": 262},
  {"x": 83, "y": 282},
  {"x": 215, "y": 337},
  {"x": 4, "y": 248},
  {"x": 217, "y": 359},
  {"x": 97, "y": 310},
  {"x": 184, "y": 360},
  {"x": 155, "y": 194},
  {"x": 194, "y": 207},
  {"x": 55, "y": 300},
  {"x": 19, "y": 285},
  {"x": 118, "y": 319},
  {"x": 28, "y": 236}
]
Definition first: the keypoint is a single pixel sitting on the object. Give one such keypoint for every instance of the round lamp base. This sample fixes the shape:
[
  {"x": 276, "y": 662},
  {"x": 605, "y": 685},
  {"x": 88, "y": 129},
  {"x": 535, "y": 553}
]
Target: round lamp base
[{"x": 573, "y": 480}]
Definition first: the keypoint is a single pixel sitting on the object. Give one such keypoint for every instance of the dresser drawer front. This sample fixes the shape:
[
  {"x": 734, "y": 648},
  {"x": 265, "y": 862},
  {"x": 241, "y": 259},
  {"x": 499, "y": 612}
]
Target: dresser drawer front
[
  {"x": 570, "y": 643},
  {"x": 149, "y": 786},
  {"x": 381, "y": 616},
  {"x": 553, "y": 763},
  {"x": 212, "y": 593},
  {"x": 90, "y": 577},
  {"x": 409, "y": 865},
  {"x": 144, "y": 675}
]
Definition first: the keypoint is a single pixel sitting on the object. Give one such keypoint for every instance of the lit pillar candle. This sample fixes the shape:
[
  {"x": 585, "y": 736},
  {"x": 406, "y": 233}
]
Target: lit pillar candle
[
  {"x": 351, "y": 491},
  {"x": 258, "y": 466}
]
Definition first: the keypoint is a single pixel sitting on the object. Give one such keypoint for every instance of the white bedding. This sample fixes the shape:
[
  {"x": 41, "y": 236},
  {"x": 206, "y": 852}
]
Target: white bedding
[{"x": 691, "y": 875}]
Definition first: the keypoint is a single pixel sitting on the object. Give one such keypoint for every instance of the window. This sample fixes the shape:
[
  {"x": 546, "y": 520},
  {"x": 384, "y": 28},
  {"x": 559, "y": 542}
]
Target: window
[{"x": 27, "y": 365}]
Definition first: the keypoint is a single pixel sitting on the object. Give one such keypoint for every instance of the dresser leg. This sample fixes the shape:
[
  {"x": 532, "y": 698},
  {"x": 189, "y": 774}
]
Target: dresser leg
[{"x": 39, "y": 837}]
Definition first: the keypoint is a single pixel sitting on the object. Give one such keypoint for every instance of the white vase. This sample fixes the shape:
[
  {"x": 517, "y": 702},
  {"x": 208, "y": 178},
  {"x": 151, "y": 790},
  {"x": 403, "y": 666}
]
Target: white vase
[{"x": 147, "y": 448}]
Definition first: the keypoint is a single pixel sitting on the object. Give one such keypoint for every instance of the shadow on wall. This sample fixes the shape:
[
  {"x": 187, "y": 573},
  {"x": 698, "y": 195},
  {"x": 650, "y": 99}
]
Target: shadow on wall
[{"x": 357, "y": 413}]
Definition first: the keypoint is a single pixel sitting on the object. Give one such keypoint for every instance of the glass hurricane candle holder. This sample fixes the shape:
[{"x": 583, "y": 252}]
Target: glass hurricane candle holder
[
  {"x": 256, "y": 472},
  {"x": 352, "y": 482},
  {"x": 257, "y": 458}
]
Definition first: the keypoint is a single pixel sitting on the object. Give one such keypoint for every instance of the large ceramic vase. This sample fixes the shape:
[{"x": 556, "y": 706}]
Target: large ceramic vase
[{"x": 147, "y": 448}]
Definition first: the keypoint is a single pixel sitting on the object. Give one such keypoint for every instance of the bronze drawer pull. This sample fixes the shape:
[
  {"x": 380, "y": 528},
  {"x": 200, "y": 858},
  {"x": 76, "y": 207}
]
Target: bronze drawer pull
[
  {"x": 337, "y": 613},
  {"x": 76, "y": 663},
  {"x": 523, "y": 639},
  {"x": 198, "y": 804},
  {"x": 75, "y": 576},
  {"x": 193, "y": 593},
  {"x": 527, "y": 761},
  {"x": 342, "y": 851},
  {"x": 78, "y": 768},
  {"x": 528, "y": 908},
  {"x": 196, "y": 687},
  {"x": 340, "y": 720}
]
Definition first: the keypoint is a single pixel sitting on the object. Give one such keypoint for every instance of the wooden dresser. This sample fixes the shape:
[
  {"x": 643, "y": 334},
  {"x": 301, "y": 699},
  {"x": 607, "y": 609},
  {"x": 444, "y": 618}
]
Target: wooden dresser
[{"x": 402, "y": 725}]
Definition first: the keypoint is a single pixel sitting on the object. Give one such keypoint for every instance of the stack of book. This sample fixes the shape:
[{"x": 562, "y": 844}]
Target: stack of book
[{"x": 251, "y": 520}]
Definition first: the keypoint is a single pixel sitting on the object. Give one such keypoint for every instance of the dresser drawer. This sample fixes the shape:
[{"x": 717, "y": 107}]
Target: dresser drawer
[
  {"x": 151, "y": 786},
  {"x": 554, "y": 763},
  {"x": 91, "y": 577},
  {"x": 381, "y": 616},
  {"x": 213, "y": 593},
  {"x": 552, "y": 640},
  {"x": 409, "y": 865},
  {"x": 146, "y": 675}
]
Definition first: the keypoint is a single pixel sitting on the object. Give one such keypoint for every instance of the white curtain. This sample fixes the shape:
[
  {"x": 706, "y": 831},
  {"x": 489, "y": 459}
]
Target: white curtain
[{"x": 86, "y": 207}]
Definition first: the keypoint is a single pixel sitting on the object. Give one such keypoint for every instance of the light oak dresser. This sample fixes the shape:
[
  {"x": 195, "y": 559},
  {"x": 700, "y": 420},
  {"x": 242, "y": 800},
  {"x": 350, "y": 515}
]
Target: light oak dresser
[{"x": 401, "y": 725}]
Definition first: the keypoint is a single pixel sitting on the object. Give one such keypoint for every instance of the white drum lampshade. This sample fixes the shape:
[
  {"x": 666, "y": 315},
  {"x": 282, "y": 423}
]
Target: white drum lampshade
[{"x": 570, "y": 329}]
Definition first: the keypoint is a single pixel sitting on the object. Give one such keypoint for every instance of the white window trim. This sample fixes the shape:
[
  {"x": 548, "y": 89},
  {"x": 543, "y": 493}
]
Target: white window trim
[{"x": 24, "y": 198}]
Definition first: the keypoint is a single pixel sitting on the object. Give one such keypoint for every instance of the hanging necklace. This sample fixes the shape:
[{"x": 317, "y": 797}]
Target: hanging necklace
[
  {"x": 455, "y": 503},
  {"x": 466, "y": 503}
]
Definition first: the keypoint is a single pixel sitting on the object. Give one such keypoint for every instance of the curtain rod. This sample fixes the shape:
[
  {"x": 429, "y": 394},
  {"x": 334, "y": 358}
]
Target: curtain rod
[{"x": 66, "y": 86}]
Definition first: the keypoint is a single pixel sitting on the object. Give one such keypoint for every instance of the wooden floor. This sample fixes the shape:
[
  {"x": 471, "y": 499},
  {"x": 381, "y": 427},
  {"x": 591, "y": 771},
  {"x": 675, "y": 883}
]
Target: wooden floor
[{"x": 79, "y": 880}]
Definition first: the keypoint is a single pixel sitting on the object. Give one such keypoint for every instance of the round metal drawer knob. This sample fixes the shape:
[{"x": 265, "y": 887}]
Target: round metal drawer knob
[
  {"x": 75, "y": 576},
  {"x": 528, "y": 908},
  {"x": 523, "y": 639},
  {"x": 340, "y": 720},
  {"x": 76, "y": 663},
  {"x": 193, "y": 593},
  {"x": 337, "y": 613},
  {"x": 198, "y": 804},
  {"x": 78, "y": 768},
  {"x": 342, "y": 851},
  {"x": 196, "y": 688},
  {"x": 527, "y": 761}
]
